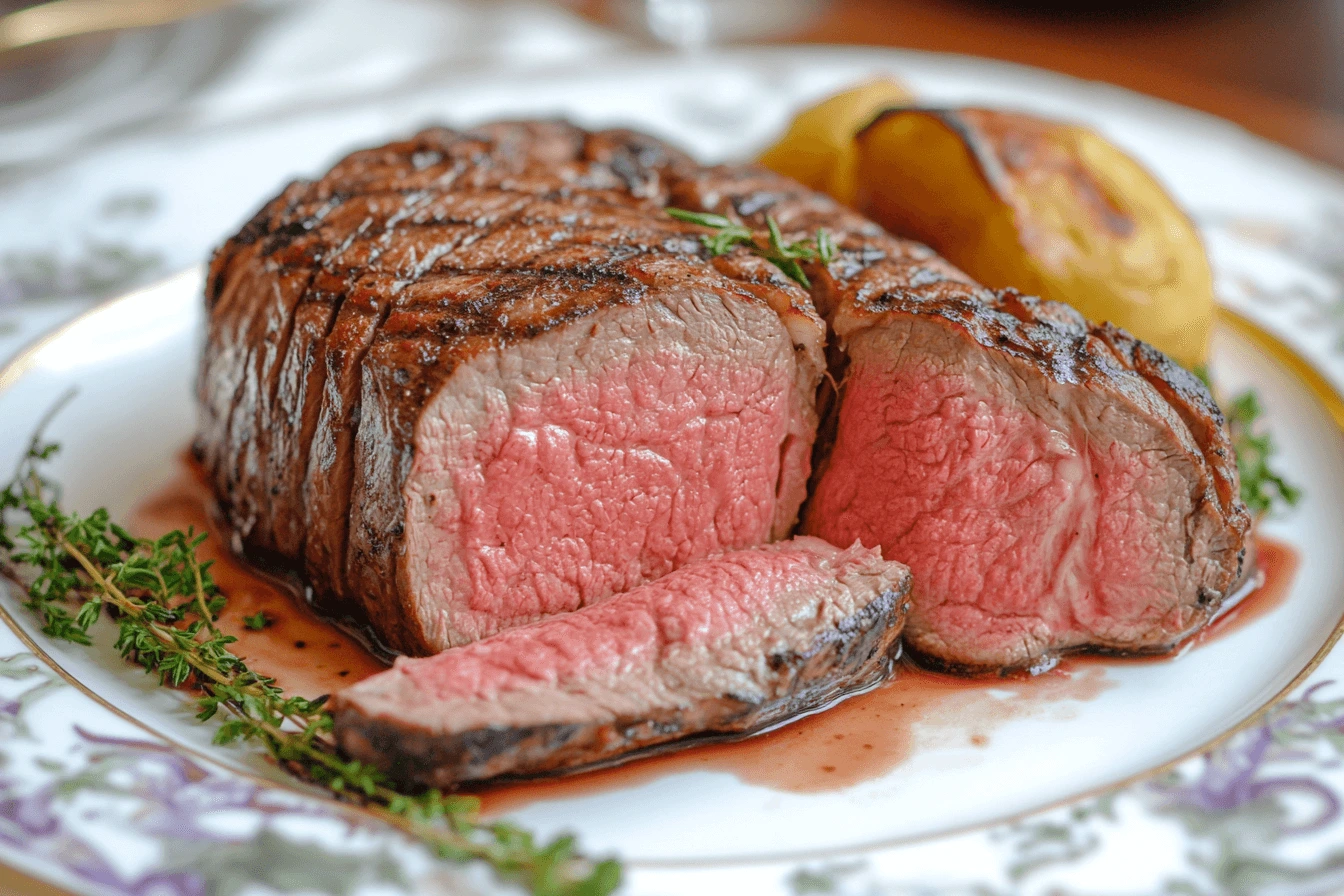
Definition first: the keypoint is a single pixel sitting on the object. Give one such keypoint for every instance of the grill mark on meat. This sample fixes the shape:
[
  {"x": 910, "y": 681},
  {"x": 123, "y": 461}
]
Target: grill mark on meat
[
  {"x": 243, "y": 414},
  {"x": 238, "y": 425},
  {"x": 326, "y": 294},
  {"x": 329, "y": 472},
  {"x": 298, "y": 413},
  {"x": 403, "y": 194},
  {"x": 274, "y": 398},
  {"x": 327, "y": 306},
  {"x": 263, "y": 446},
  {"x": 330, "y": 422},
  {"x": 348, "y": 473}
]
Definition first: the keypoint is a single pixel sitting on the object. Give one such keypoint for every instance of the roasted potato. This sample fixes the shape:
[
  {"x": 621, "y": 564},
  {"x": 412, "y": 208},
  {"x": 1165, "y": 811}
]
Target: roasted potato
[
  {"x": 818, "y": 148},
  {"x": 1045, "y": 207}
]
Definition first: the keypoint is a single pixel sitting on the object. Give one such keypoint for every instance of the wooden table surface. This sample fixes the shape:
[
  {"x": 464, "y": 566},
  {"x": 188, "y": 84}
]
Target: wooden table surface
[{"x": 1275, "y": 67}]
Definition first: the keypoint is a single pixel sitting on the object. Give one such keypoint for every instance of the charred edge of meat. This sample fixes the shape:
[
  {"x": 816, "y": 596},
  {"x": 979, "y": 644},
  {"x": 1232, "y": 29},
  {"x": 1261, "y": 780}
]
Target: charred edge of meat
[
  {"x": 860, "y": 653},
  {"x": 1045, "y": 662}
]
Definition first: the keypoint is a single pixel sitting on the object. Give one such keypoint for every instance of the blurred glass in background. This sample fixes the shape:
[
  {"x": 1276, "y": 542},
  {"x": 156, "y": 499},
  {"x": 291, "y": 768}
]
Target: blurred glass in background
[{"x": 694, "y": 24}]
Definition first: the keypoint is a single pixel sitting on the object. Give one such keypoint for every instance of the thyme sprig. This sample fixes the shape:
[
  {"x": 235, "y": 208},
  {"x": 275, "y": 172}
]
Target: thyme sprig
[
  {"x": 1262, "y": 486},
  {"x": 788, "y": 257},
  {"x": 165, "y": 604}
]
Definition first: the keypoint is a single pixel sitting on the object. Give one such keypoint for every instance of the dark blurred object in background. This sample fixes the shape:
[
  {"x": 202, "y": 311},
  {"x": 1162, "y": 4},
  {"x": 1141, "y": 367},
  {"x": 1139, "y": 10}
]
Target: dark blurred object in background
[
  {"x": 1101, "y": 9},
  {"x": 1274, "y": 66},
  {"x": 47, "y": 45}
]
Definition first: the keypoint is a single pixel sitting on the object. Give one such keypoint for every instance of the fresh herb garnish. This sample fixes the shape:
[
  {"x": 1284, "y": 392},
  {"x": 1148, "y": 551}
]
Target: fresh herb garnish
[
  {"x": 257, "y": 621},
  {"x": 164, "y": 604},
  {"x": 785, "y": 256},
  {"x": 1261, "y": 486}
]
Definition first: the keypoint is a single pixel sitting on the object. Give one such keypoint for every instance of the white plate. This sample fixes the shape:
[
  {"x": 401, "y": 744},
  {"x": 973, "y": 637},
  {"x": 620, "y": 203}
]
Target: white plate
[{"x": 133, "y": 363}]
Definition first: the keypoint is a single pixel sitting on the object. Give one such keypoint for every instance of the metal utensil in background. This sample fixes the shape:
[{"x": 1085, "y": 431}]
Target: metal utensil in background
[{"x": 61, "y": 19}]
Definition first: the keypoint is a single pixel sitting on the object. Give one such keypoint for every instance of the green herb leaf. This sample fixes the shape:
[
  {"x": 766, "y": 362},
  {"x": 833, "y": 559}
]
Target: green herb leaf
[
  {"x": 1262, "y": 487},
  {"x": 165, "y": 604},
  {"x": 825, "y": 247},
  {"x": 257, "y": 621},
  {"x": 704, "y": 219},
  {"x": 788, "y": 257}
]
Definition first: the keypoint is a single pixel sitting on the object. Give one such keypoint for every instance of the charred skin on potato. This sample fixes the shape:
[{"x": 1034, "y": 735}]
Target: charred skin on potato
[{"x": 1044, "y": 207}]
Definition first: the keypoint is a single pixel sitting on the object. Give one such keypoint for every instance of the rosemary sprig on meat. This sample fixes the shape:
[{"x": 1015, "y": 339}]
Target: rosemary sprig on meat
[
  {"x": 788, "y": 257},
  {"x": 164, "y": 604}
]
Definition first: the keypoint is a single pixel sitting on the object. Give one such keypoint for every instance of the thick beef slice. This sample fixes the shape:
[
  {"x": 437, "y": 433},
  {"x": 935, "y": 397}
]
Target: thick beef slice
[
  {"x": 1053, "y": 486},
  {"x": 594, "y": 458},
  {"x": 470, "y": 379},
  {"x": 722, "y": 647}
]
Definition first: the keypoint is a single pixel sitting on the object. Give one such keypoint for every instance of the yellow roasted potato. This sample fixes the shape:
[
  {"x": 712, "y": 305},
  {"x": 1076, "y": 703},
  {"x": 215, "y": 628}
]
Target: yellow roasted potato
[
  {"x": 1045, "y": 207},
  {"x": 818, "y": 148}
]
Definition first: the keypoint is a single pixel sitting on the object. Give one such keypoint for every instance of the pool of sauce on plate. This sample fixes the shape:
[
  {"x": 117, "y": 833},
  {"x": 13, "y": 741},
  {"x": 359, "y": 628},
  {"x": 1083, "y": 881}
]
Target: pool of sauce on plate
[
  {"x": 858, "y": 740},
  {"x": 1276, "y": 564}
]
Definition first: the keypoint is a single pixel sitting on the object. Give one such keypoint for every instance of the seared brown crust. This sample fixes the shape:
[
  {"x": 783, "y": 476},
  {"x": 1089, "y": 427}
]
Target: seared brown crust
[
  {"x": 346, "y": 302},
  {"x": 858, "y": 654}
]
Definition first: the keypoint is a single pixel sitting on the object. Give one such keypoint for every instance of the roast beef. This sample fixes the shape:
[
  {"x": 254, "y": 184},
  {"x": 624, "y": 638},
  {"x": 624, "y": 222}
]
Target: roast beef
[
  {"x": 471, "y": 380},
  {"x": 1054, "y": 485},
  {"x": 722, "y": 647},
  {"x": 468, "y": 380}
]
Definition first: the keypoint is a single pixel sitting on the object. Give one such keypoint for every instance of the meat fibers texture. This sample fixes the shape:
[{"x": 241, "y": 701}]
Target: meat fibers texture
[
  {"x": 720, "y": 648},
  {"x": 1054, "y": 486},
  {"x": 465, "y": 381}
]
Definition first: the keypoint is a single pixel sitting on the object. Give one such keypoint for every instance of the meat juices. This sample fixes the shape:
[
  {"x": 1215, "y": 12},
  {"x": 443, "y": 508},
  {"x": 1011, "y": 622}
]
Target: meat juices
[{"x": 722, "y": 647}]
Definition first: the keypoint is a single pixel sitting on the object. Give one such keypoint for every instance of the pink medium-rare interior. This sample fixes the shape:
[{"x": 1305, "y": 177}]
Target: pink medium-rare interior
[
  {"x": 594, "y": 458},
  {"x": 724, "y": 598},
  {"x": 1019, "y": 529}
]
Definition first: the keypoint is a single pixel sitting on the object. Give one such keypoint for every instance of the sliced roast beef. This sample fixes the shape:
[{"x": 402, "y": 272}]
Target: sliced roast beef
[
  {"x": 1053, "y": 485},
  {"x": 469, "y": 380},
  {"x": 722, "y": 647}
]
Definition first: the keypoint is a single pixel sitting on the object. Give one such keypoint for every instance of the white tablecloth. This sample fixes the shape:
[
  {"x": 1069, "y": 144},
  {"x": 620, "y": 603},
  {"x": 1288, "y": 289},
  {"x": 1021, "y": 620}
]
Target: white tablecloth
[{"x": 129, "y": 170}]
